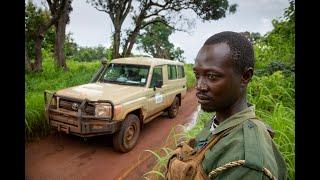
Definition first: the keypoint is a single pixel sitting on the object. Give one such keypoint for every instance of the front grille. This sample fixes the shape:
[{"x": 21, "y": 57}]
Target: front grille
[
  {"x": 68, "y": 105},
  {"x": 71, "y": 120}
]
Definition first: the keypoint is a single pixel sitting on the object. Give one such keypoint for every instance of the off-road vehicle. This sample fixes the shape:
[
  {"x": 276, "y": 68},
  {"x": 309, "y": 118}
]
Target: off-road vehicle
[{"x": 122, "y": 96}]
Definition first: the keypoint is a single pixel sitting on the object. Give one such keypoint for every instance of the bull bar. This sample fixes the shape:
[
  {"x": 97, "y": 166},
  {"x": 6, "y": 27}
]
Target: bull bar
[{"x": 78, "y": 122}]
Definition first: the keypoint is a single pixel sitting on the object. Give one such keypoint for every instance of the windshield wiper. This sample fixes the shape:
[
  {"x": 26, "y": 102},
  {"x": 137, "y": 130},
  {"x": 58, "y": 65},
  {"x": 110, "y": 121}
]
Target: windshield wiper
[
  {"x": 121, "y": 82},
  {"x": 112, "y": 81}
]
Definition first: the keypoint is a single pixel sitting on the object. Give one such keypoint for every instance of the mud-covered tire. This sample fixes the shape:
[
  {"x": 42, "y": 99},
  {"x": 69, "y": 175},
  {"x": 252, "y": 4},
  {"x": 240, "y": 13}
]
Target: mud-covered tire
[
  {"x": 174, "y": 108},
  {"x": 127, "y": 137}
]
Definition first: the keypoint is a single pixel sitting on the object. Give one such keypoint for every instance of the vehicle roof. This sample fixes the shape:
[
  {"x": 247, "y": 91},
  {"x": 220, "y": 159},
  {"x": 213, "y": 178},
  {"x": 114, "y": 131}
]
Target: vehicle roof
[{"x": 145, "y": 61}]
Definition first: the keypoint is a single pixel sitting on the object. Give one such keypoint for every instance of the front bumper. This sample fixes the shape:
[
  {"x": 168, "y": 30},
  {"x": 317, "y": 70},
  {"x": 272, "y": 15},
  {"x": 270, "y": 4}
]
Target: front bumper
[{"x": 78, "y": 122}]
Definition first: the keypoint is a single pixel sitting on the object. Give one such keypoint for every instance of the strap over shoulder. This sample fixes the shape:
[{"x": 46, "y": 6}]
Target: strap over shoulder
[{"x": 232, "y": 164}]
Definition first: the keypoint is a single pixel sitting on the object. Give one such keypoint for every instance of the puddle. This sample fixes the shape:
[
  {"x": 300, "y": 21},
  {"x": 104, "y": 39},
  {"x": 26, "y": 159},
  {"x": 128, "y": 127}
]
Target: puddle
[{"x": 194, "y": 117}]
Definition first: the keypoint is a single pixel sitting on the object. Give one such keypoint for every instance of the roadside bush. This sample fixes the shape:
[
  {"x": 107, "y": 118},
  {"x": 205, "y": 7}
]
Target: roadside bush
[
  {"x": 275, "y": 66},
  {"x": 92, "y": 54},
  {"x": 191, "y": 79}
]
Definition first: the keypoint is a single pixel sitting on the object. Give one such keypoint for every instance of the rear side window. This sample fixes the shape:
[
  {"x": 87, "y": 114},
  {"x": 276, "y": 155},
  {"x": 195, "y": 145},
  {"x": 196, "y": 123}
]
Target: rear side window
[
  {"x": 172, "y": 72},
  {"x": 180, "y": 72}
]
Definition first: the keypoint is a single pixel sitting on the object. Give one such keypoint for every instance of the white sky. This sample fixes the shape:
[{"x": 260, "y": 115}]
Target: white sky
[{"x": 92, "y": 28}]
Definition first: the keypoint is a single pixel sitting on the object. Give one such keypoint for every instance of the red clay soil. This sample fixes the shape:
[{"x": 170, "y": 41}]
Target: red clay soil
[{"x": 62, "y": 156}]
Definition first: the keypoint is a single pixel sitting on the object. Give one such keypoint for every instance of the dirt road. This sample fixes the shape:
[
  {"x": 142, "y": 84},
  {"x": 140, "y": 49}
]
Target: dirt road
[{"x": 62, "y": 156}]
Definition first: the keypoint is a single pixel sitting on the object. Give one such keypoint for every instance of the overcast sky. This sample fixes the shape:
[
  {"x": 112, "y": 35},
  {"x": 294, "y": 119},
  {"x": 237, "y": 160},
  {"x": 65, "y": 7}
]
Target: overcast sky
[{"x": 92, "y": 28}]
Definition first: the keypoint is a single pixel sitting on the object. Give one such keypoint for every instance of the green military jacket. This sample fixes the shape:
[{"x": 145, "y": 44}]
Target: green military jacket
[{"x": 250, "y": 141}]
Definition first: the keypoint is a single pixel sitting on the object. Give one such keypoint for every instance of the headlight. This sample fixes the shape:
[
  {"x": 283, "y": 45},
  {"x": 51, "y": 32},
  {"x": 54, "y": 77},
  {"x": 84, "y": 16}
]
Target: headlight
[{"x": 104, "y": 110}]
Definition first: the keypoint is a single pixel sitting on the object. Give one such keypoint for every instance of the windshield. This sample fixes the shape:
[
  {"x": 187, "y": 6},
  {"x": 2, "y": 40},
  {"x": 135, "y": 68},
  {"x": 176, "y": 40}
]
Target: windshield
[{"x": 126, "y": 74}]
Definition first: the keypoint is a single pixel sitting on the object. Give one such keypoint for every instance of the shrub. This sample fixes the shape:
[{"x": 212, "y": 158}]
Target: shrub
[
  {"x": 191, "y": 79},
  {"x": 92, "y": 54},
  {"x": 275, "y": 66}
]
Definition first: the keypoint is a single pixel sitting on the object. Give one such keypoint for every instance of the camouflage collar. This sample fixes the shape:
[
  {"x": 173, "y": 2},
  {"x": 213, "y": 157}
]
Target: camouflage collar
[{"x": 236, "y": 119}]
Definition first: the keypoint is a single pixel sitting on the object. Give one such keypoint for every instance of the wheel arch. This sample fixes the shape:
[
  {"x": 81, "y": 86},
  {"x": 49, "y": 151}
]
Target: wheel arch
[
  {"x": 179, "y": 96},
  {"x": 139, "y": 114}
]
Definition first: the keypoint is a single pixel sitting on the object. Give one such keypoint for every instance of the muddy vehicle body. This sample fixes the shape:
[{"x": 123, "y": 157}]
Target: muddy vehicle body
[{"x": 122, "y": 96}]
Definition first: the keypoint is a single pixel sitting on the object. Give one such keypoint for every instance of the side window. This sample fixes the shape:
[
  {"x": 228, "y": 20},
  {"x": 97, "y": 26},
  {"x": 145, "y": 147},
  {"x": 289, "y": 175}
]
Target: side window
[
  {"x": 156, "y": 75},
  {"x": 180, "y": 72},
  {"x": 172, "y": 72}
]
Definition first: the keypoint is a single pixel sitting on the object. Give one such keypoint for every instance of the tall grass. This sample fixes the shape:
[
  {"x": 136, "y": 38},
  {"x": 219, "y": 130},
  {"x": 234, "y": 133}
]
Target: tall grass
[
  {"x": 50, "y": 79},
  {"x": 273, "y": 97}
]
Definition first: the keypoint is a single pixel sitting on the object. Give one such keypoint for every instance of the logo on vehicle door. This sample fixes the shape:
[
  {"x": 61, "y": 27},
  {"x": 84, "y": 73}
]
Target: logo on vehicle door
[
  {"x": 75, "y": 106},
  {"x": 159, "y": 98}
]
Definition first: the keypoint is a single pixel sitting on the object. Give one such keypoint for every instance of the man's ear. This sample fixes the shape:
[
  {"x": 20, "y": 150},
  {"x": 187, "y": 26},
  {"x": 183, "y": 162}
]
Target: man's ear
[{"x": 246, "y": 76}]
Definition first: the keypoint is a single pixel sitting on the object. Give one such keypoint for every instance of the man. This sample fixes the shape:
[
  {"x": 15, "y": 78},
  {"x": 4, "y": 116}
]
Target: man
[{"x": 235, "y": 144}]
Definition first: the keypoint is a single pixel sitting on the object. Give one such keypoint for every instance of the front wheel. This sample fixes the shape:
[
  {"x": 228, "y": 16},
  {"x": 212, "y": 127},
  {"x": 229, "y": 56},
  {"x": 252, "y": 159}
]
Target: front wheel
[
  {"x": 174, "y": 108},
  {"x": 125, "y": 139}
]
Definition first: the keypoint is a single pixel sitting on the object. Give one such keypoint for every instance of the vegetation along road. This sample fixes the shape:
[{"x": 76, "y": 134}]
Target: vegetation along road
[{"x": 61, "y": 156}]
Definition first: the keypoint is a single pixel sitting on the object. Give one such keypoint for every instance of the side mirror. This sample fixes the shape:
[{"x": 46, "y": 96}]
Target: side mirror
[
  {"x": 159, "y": 84},
  {"x": 104, "y": 61}
]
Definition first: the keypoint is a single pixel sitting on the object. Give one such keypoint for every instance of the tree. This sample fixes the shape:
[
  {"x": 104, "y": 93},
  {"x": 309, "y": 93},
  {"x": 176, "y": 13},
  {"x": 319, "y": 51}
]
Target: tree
[
  {"x": 177, "y": 53},
  {"x": 70, "y": 48},
  {"x": 145, "y": 13},
  {"x": 117, "y": 11},
  {"x": 60, "y": 10},
  {"x": 155, "y": 41},
  {"x": 279, "y": 44},
  {"x": 36, "y": 23},
  {"x": 253, "y": 37}
]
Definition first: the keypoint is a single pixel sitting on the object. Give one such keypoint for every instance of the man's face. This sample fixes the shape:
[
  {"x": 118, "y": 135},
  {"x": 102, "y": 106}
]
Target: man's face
[{"x": 218, "y": 85}]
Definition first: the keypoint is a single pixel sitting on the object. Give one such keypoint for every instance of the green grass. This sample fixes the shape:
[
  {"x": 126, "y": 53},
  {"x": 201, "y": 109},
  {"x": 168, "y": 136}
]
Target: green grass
[
  {"x": 50, "y": 79},
  {"x": 273, "y": 97}
]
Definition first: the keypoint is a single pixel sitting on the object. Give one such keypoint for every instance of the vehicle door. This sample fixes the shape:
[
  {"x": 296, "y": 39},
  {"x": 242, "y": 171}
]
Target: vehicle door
[{"x": 156, "y": 91}]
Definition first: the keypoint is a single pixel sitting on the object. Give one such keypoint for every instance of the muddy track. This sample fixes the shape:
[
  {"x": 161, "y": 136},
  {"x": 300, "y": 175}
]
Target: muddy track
[{"x": 61, "y": 156}]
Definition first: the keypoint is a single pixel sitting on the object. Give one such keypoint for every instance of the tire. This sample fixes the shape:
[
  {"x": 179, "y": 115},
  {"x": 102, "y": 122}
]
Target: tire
[
  {"x": 174, "y": 108},
  {"x": 127, "y": 137}
]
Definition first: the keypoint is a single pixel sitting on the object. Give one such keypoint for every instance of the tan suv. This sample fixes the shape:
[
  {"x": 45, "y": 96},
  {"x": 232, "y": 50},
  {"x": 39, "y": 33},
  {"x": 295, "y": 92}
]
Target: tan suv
[{"x": 122, "y": 96}]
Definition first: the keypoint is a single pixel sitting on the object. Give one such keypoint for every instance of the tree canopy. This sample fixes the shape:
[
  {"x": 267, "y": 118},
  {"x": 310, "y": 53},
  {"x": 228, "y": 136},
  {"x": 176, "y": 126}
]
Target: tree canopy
[
  {"x": 34, "y": 16},
  {"x": 155, "y": 41},
  {"x": 278, "y": 45},
  {"x": 147, "y": 12}
]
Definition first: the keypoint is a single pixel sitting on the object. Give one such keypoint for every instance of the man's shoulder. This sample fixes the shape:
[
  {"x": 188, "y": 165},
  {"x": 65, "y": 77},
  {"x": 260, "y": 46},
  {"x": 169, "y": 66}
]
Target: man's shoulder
[
  {"x": 252, "y": 135},
  {"x": 249, "y": 141},
  {"x": 259, "y": 148},
  {"x": 261, "y": 126}
]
